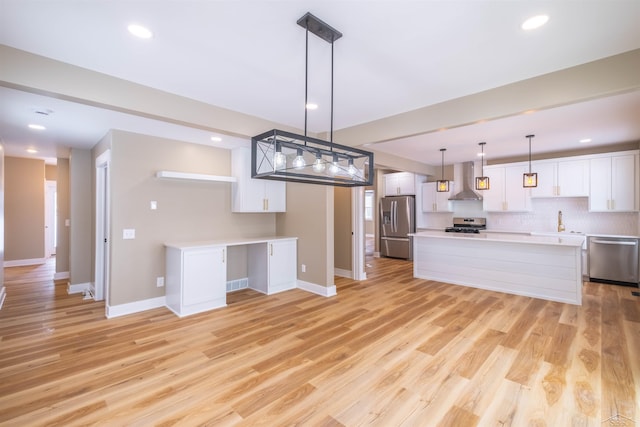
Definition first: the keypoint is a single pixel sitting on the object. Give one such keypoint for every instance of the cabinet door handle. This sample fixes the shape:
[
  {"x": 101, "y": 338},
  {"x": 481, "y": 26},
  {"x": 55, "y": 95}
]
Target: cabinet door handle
[
  {"x": 271, "y": 248},
  {"x": 223, "y": 256}
]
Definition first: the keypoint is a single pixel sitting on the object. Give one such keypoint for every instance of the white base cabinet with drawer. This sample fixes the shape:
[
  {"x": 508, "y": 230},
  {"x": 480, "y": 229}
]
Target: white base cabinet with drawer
[{"x": 196, "y": 279}]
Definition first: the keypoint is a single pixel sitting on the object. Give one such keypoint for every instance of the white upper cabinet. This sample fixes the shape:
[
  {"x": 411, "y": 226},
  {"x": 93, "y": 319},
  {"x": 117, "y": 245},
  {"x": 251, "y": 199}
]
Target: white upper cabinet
[
  {"x": 254, "y": 195},
  {"x": 561, "y": 178},
  {"x": 433, "y": 201},
  {"x": 614, "y": 183},
  {"x": 506, "y": 192},
  {"x": 399, "y": 184}
]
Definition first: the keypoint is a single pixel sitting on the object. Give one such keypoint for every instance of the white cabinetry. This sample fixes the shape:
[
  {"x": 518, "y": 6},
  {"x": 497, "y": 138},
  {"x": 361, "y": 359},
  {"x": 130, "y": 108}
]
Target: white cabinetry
[
  {"x": 399, "y": 184},
  {"x": 613, "y": 183},
  {"x": 273, "y": 266},
  {"x": 434, "y": 201},
  {"x": 254, "y": 195},
  {"x": 561, "y": 178},
  {"x": 506, "y": 192},
  {"x": 196, "y": 279}
]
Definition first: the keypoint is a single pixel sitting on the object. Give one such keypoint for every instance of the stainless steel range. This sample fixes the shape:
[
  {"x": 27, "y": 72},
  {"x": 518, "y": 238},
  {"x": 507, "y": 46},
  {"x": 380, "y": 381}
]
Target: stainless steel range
[{"x": 467, "y": 225}]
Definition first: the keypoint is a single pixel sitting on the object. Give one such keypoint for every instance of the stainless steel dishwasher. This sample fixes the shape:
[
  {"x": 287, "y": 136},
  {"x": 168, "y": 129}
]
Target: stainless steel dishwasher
[{"x": 614, "y": 260}]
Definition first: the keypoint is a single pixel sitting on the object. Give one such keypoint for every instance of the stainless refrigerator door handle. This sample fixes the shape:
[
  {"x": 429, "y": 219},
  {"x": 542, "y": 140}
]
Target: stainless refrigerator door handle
[{"x": 400, "y": 239}]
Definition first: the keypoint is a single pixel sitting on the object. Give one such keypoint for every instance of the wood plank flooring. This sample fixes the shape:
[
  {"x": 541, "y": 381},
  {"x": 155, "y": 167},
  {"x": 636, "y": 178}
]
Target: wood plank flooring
[{"x": 388, "y": 351}]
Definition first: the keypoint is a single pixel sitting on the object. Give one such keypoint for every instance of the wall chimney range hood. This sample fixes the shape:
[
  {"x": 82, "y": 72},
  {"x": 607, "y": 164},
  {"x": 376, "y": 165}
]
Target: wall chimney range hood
[{"x": 467, "y": 192}]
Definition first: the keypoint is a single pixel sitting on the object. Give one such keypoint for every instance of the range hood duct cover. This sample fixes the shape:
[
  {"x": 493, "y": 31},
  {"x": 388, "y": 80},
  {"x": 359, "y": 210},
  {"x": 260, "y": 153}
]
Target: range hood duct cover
[{"x": 468, "y": 177}]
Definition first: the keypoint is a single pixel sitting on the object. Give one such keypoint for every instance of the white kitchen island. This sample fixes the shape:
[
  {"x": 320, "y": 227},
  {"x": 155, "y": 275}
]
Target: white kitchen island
[{"x": 547, "y": 267}]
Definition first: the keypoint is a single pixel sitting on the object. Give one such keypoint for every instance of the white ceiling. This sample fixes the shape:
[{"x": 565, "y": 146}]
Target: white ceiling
[{"x": 395, "y": 56}]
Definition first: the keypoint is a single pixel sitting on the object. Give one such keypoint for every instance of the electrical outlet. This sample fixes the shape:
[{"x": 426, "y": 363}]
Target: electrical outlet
[
  {"x": 160, "y": 282},
  {"x": 153, "y": 205},
  {"x": 303, "y": 267},
  {"x": 129, "y": 233}
]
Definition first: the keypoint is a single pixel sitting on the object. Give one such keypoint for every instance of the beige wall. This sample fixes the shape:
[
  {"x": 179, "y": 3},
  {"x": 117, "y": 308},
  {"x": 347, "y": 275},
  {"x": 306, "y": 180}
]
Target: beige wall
[
  {"x": 51, "y": 172},
  {"x": 187, "y": 210},
  {"x": 343, "y": 241},
  {"x": 309, "y": 217},
  {"x": 24, "y": 209},
  {"x": 62, "y": 206},
  {"x": 80, "y": 189}
]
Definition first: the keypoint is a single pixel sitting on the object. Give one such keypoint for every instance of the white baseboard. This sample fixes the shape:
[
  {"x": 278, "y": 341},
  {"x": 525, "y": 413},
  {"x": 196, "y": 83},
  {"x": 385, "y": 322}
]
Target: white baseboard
[
  {"x": 135, "y": 307},
  {"x": 78, "y": 288},
  {"x": 342, "y": 273},
  {"x": 60, "y": 275},
  {"x": 317, "y": 289},
  {"x": 3, "y": 294},
  {"x": 23, "y": 262},
  {"x": 376, "y": 254}
]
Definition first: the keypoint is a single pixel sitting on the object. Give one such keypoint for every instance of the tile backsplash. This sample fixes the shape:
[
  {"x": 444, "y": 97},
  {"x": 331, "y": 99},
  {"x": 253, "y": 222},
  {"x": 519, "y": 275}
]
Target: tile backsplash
[{"x": 543, "y": 217}]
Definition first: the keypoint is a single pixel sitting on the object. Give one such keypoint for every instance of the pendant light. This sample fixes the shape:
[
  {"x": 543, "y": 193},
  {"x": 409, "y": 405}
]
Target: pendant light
[
  {"x": 530, "y": 179},
  {"x": 442, "y": 185},
  {"x": 316, "y": 161},
  {"x": 482, "y": 182}
]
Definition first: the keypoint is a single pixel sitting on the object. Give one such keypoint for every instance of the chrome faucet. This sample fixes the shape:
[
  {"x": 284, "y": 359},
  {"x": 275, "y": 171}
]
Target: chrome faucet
[{"x": 560, "y": 224}]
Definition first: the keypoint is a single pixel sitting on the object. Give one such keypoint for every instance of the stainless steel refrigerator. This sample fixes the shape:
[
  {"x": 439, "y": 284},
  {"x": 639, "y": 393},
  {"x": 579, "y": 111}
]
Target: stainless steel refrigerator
[{"x": 397, "y": 220}]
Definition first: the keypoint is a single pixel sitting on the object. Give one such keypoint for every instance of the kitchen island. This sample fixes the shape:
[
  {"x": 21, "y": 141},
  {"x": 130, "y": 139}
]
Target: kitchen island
[{"x": 547, "y": 267}]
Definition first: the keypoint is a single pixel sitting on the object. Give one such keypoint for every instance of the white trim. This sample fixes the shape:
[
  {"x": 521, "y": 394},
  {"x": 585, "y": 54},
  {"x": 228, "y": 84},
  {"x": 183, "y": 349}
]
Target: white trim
[
  {"x": 103, "y": 227},
  {"x": 3, "y": 294},
  {"x": 25, "y": 262},
  {"x": 135, "y": 307},
  {"x": 325, "y": 291},
  {"x": 358, "y": 235},
  {"x": 78, "y": 288},
  {"x": 49, "y": 218},
  {"x": 376, "y": 254},
  {"x": 343, "y": 273},
  {"x": 59, "y": 275}
]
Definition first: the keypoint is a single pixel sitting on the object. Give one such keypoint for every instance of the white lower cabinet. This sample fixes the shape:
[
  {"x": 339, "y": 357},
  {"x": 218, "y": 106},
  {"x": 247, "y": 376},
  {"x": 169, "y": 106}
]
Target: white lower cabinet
[
  {"x": 196, "y": 275},
  {"x": 273, "y": 266},
  {"x": 196, "y": 279}
]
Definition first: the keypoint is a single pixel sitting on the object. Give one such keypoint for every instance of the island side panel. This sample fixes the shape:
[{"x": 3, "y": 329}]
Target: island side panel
[{"x": 551, "y": 272}]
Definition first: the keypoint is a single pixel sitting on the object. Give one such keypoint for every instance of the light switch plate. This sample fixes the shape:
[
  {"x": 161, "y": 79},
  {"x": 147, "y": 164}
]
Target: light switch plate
[{"x": 129, "y": 233}]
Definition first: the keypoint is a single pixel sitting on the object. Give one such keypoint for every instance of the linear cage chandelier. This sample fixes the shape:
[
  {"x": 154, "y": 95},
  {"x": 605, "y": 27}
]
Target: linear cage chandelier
[{"x": 285, "y": 156}]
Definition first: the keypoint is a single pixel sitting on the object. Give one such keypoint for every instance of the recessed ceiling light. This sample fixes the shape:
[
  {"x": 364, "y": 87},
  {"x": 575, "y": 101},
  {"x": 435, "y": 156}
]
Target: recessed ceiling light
[
  {"x": 36, "y": 127},
  {"x": 140, "y": 31},
  {"x": 216, "y": 139},
  {"x": 585, "y": 140},
  {"x": 32, "y": 150},
  {"x": 311, "y": 106},
  {"x": 535, "y": 22}
]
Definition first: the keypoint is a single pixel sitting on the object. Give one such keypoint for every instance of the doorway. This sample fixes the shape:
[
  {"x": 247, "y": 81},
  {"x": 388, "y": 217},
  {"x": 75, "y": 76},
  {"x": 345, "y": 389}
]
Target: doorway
[
  {"x": 101, "y": 279},
  {"x": 50, "y": 220}
]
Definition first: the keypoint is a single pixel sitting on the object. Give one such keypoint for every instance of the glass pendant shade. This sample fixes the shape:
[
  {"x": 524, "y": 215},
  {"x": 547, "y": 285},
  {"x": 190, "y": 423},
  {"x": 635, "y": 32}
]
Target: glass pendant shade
[
  {"x": 530, "y": 179},
  {"x": 442, "y": 185},
  {"x": 299, "y": 162},
  {"x": 482, "y": 182}
]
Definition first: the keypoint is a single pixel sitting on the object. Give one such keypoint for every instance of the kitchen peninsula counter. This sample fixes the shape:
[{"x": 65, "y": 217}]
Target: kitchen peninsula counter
[{"x": 540, "y": 266}]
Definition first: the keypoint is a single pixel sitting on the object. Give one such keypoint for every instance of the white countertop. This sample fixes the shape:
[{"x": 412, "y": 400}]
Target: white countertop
[
  {"x": 563, "y": 240},
  {"x": 225, "y": 242}
]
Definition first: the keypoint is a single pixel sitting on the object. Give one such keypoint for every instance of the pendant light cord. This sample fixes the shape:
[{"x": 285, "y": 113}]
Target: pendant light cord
[
  {"x": 306, "y": 80},
  {"x": 331, "y": 129}
]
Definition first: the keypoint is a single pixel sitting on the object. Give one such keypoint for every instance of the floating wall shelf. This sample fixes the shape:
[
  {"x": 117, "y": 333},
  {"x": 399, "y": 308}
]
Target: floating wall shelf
[{"x": 195, "y": 176}]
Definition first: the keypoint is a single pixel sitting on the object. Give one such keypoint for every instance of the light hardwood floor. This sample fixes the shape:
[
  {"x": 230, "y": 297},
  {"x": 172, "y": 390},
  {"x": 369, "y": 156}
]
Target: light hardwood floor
[{"x": 388, "y": 351}]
